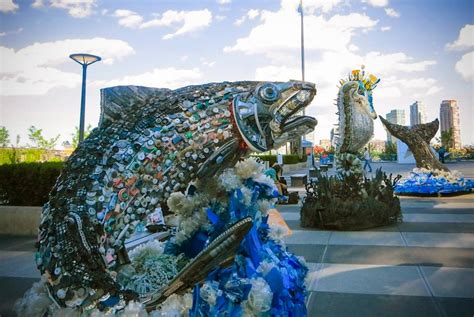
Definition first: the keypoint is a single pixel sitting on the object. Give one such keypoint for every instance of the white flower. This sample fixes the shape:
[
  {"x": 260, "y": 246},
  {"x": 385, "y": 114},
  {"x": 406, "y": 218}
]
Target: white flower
[
  {"x": 264, "y": 206},
  {"x": 266, "y": 180},
  {"x": 154, "y": 247},
  {"x": 247, "y": 168},
  {"x": 175, "y": 305},
  {"x": 260, "y": 296},
  {"x": 228, "y": 180},
  {"x": 134, "y": 309},
  {"x": 247, "y": 195}
]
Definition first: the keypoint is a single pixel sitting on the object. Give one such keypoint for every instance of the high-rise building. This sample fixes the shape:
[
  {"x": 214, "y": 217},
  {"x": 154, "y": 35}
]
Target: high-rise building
[
  {"x": 417, "y": 113},
  {"x": 449, "y": 118},
  {"x": 396, "y": 116}
]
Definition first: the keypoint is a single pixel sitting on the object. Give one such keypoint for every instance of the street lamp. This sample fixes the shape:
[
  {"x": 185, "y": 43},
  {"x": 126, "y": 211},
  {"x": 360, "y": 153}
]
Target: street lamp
[{"x": 84, "y": 60}]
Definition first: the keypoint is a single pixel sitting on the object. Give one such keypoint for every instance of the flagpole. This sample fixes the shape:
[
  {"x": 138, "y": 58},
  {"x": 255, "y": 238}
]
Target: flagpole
[
  {"x": 302, "y": 41},
  {"x": 302, "y": 51}
]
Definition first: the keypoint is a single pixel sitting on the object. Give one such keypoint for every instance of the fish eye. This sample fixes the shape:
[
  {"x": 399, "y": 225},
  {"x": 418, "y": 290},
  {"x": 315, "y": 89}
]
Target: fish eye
[{"x": 268, "y": 92}]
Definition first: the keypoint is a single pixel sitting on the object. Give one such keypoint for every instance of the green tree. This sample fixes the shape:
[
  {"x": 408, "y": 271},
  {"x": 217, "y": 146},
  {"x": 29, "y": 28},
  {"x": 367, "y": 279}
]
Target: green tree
[
  {"x": 14, "y": 155},
  {"x": 39, "y": 141},
  {"x": 75, "y": 135},
  {"x": 4, "y": 137},
  {"x": 447, "y": 139}
]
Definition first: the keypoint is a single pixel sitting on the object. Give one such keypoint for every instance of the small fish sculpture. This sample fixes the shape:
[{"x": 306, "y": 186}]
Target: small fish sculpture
[{"x": 151, "y": 142}]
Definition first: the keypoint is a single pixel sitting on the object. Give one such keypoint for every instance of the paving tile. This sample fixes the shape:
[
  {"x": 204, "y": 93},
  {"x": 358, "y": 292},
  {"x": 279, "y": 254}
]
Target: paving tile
[
  {"x": 450, "y": 281},
  {"x": 391, "y": 255},
  {"x": 11, "y": 289},
  {"x": 369, "y": 279},
  {"x": 445, "y": 218},
  {"x": 436, "y": 227},
  {"x": 290, "y": 215},
  {"x": 17, "y": 243},
  {"x": 307, "y": 237},
  {"x": 330, "y": 304},
  {"x": 366, "y": 238},
  {"x": 311, "y": 253},
  {"x": 440, "y": 240},
  {"x": 18, "y": 264},
  {"x": 406, "y": 227},
  {"x": 461, "y": 307},
  {"x": 288, "y": 208}
]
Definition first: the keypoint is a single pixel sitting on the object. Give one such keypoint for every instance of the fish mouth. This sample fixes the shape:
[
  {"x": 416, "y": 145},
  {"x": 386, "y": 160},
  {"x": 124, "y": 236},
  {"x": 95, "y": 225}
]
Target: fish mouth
[
  {"x": 284, "y": 114},
  {"x": 294, "y": 128}
]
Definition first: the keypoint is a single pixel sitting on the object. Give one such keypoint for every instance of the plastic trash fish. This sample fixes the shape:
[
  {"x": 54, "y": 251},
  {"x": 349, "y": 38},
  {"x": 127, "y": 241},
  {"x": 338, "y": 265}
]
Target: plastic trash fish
[{"x": 151, "y": 142}]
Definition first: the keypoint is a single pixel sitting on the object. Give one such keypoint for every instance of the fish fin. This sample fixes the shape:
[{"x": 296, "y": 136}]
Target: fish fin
[{"x": 118, "y": 100}]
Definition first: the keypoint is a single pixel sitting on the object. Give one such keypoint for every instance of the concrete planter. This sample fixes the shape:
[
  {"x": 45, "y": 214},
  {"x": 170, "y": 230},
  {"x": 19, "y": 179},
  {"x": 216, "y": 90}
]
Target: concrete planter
[{"x": 20, "y": 220}]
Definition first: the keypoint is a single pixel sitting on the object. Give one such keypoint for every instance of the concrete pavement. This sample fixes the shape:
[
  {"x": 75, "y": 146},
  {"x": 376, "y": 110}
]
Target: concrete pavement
[{"x": 421, "y": 267}]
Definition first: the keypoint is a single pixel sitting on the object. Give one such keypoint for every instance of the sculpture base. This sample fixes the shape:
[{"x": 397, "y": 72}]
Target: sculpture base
[{"x": 423, "y": 182}]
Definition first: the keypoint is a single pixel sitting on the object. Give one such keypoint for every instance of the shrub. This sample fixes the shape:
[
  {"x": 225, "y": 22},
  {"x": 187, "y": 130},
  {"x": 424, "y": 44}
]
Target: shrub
[
  {"x": 27, "y": 184},
  {"x": 350, "y": 202}
]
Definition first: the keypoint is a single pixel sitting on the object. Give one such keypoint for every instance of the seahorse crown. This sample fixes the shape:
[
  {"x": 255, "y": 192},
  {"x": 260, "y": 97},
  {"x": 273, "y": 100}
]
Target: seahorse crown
[{"x": 369, "y": 82}]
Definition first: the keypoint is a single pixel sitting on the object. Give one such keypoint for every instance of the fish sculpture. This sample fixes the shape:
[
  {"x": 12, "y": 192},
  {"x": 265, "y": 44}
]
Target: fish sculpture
[
  {"x": 151, "y": 142},
  {"x": 356, "y": 111}
]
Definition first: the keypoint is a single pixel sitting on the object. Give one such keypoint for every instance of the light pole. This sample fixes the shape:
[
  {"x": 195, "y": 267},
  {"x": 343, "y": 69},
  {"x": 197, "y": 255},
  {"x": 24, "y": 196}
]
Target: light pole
[{"x": 84, "y": 60}]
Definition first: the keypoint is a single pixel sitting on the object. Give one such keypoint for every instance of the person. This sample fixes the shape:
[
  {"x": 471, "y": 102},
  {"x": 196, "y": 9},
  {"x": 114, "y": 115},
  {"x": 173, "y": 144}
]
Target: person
[
  {"x": 441, "y": 153},
  {"x": 275, "y": 172},
  {"x": 367, "y": 160}
]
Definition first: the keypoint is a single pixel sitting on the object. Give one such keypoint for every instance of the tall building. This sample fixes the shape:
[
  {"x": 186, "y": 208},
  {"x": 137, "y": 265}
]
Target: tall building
[
  {"x": 417, "y": 113},
  {"x": 396, "y": 116},
  {"x": 449, "y": 117}
]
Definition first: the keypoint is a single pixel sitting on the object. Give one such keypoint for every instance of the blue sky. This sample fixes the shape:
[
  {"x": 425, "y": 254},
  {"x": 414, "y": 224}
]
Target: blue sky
[{"x": 421, "y": 50}]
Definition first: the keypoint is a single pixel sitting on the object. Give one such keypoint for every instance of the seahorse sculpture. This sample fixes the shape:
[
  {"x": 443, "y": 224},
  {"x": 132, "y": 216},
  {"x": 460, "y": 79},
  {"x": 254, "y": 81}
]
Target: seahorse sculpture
[
  {"x": 150, "y": 143},
  {"x": 356, "y": 114}
]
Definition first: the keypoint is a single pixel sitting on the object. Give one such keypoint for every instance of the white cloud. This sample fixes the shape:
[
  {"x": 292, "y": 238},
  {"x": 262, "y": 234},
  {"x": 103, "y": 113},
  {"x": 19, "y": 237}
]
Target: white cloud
[
  {"x": 207, "y": 63},
  {"x": 8, "y": 6},
  {"x": 224, "y": 1},
  {"x": 465, "y": 66},
  {"x": 128, "y": 18},
  {"x": 11, "y": 32},
  {"x": 277, "y": 40},
  {"x": 310, "y": 6},
  {"x": 377, "y": 3},
  {"x": 240, "y": 20},
  {"x": 220, "y": 17},
  {"x": 385, "y": 28},
  {"x": 253, "y": 13},
  {"x": 465, "y": 39},
  {"x": 183, "y": 21},
  {"x": 75, "y": 8},
  {"x": 159, "y": 77},
  {"x": 34, "y": 70},
  {"x": 417, "y": 83},
  {"x": 37, "y": 4},
  {"x": 433, "y": 90},
  {"x": 250, "y": 15},
  {"x": 391, "y": 12}
]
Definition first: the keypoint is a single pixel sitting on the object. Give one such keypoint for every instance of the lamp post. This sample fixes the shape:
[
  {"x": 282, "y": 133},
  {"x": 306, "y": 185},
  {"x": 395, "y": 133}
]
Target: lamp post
[{"x": 84, "y": 60}]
